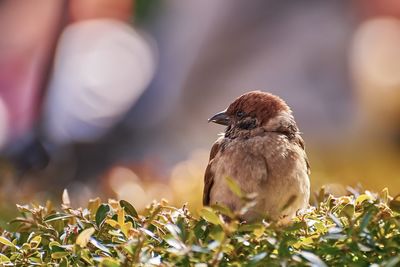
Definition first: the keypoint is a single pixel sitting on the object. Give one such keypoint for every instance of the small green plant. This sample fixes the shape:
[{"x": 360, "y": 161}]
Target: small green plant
[{"x": 354, "y": 230}]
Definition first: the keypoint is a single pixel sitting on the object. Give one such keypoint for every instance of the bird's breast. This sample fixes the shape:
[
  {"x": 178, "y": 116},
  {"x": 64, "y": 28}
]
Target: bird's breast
[{"x": 269, "y": 165}]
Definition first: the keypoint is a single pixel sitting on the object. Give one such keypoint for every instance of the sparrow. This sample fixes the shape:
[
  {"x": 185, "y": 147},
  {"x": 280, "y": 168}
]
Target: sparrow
[{"x": 263, "y": 152}]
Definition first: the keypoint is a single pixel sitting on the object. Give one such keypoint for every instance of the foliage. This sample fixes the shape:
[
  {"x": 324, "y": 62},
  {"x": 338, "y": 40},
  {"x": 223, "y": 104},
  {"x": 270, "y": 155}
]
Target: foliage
[{"x": 354, "y": 230}]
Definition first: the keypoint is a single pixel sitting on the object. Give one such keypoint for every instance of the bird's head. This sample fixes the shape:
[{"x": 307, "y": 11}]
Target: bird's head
[{"x": 255, "y": 110}]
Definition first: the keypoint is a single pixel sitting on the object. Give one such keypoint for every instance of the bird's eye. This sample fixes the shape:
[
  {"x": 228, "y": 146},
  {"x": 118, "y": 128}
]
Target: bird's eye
[{"x": 239, "y": 114}]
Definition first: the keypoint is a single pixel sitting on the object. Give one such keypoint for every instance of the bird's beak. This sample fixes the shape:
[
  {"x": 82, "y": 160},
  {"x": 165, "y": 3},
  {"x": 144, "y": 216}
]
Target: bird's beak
[{"x": 221, "y": 118}]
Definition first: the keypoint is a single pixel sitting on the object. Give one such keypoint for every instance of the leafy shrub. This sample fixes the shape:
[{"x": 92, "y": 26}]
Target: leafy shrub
[{"x": 354, "y": 230}]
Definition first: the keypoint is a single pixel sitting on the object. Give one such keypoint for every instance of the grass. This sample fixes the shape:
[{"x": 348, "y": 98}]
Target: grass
[{"x": 360, "y": 229}]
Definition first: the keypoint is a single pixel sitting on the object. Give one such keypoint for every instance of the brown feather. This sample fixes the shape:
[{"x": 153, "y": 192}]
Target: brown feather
[
  {"x": 209, "y": 175},
  {"x": 261, "y": 105}
]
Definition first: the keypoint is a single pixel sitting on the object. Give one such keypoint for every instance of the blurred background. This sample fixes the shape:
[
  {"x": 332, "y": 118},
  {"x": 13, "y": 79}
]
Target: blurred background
[{"x": 111, "y": 98}]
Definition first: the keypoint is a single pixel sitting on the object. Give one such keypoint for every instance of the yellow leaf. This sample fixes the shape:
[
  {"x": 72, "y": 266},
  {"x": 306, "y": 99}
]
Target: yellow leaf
[
  {"x": 258, "y": 232},
  {"x": 121, "y": 216},
  {"x": 112, "y": 223},
  {"x": 4, "y": 258},
  {"x": 109, "y": 262},
  {"x": 84, "y": 236},
  {"x": 361, "y": 198},
  {"x": 59, "y": 254},
  {"x": 228, "y": 248},
  {"x": 93, "y": 206},
  {"x": 126, "y": 227},
  {"x": 54, "y": 243},
  {"x": 6, "y": 242}
]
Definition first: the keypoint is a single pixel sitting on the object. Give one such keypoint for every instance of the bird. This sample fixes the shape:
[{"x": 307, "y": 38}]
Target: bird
[{"x": 263, "y": 152}]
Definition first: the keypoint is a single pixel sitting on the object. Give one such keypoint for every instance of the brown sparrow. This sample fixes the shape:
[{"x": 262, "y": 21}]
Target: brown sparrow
[{"x": 262, "y": 151}]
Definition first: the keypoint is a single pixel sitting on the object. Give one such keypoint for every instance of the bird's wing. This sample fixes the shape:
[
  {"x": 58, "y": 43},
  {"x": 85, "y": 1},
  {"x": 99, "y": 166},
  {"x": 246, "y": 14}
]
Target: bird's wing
[
  {"x": 301, "y": 143},
  {"x": 289, "y": 127},
  {"x": 209, "y": 175}
]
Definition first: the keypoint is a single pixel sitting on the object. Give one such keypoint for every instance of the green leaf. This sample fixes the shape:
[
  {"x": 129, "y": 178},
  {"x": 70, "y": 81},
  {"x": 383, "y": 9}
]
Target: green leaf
[
  {"x": 129, "y": 209},
  {"x": 365, "y": 220},
  {"x": 394, "y": 204},
  {"x": 200, "y": 228},
  {"x": 347, "y": 211},
  {"x": 4, "y": 258},
  {"x": 64, "y": 262},
  {"x": 54, "y": 244},
  {"x": 249, "y": 227},
  {"x": 59, "y": 255},
  {"x": 102, "y": 213},
  {"x": 223, "y": 209},
  {"x": 296, "y": 226},
  {"x": 35, "y": 242},
  {"x": 87, "y": 257},
  {"x": 109, "y": 262},
  {"x": 217, "y": 233},
  {"x": 209, "y": 215}
]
